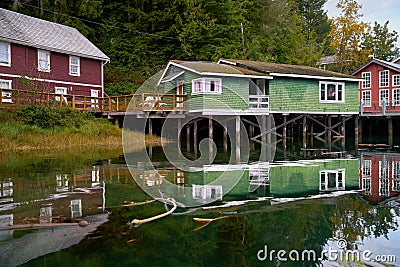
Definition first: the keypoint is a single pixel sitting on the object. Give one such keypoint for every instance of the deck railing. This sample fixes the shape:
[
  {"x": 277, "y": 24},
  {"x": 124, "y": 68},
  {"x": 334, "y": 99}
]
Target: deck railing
[
  {"x": 135, "y": 102},
  {"x": 258, "y": 101},
  {"x": 379, "y": 108}
]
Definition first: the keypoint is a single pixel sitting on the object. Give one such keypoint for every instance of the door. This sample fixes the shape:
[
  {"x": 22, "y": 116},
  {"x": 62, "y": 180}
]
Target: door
[{"x": 94, "y": 94}]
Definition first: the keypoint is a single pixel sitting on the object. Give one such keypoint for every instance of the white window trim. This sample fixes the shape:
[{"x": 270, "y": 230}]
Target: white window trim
[
  {"x": 203, "y": 83},
  {"x": 366, "y": 168},
  {"x": 362, "y": 82},
  {"x": 326, "y": 93},
  {"x": 326, "y": 179},
  {"x": 370, "y": 98},
  {"x": 393, "y": 79},
  {"x": 78, "y": 65},
  {"x": 380, "y": 79},
  {"x": 393, "y": 99},
  {"x": 380, "y": 97},
  {"x": 48, "y": 59},
  {"x": 9, "y": 56},
  {"x": 5, "y": 91}
]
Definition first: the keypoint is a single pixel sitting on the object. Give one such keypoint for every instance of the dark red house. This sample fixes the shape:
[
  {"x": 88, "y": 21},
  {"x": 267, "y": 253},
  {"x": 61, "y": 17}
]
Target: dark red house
[
  {"x": 48, "y": 57},
  {"x": 379, "y": 88}
]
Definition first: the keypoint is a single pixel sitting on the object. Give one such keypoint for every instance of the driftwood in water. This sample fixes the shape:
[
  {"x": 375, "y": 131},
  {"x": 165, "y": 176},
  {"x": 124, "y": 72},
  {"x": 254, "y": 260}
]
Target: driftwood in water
[{"x": 137, "y": 222}]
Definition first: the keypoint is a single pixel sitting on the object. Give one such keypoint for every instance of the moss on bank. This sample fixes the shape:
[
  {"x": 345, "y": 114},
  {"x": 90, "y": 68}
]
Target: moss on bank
[{"x": 39, "y": 127}]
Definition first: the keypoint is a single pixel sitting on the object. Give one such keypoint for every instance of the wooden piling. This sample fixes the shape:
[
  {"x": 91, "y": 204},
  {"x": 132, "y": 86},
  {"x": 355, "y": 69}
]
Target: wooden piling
[
  {"x": 390, "y": 131},
  {"x": 305, "y": 132},
  {"x": 195, "y": 138},
  {"x": 225, "y": 136},
  {"x": 188, "y": 137},
  {"x": 284, "y": 132},
  {"x": 237, "y": 145}
]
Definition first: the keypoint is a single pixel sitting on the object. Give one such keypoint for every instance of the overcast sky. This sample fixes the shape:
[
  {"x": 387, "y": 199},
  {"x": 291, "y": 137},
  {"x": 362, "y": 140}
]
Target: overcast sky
[{"x": 374, "y": 10}]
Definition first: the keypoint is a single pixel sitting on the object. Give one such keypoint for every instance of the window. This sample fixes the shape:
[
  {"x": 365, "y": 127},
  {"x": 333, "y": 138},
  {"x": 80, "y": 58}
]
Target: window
[
  {"x": 43, "y": 61},
  {"x": 396, "y": 80},
  {"x": 206, "y": 86},
  {"x": 366, "y": 82},
  {"x": 332, "y": 180},
  {"x": 5, "y": 94},
  {"x": 383, "y": 169},
  {"x": 383, "y": 97},
  {"x": 60, "y": 91},
  {"x": 384, "y": 78},
  {"x": 396, "y": 169},
  {"x": 396, "y": 185},
  {"x": 366, "y": 186},
  {"x": 384, "y": 187},
  {"x": 366, "y": 98},
  {"x": 5, "y": 55},
  {"x": 331, "y": 92},
  {"x": 74, "y": 66},
  {"x": 366, "y": 168},
  {"x": 396, "y": 97}
]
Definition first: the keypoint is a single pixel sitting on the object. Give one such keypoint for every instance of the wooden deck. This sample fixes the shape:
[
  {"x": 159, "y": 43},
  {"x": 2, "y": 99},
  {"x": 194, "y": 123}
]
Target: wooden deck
[{"x": 134, "y": 102}]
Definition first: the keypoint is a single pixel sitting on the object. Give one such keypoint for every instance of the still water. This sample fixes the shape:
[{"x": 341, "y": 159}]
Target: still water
[{"x": 302, "y": 212}]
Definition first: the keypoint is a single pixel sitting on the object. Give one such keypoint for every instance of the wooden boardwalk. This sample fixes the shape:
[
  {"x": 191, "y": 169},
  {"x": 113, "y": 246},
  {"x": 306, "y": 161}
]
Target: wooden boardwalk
[{"x": 134, "y": 102}]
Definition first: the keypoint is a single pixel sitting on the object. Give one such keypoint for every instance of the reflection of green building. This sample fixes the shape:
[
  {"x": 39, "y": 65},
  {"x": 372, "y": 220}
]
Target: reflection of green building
[
  {"x": 311, "y": 177},
  {"x": 282, "y": 179}
]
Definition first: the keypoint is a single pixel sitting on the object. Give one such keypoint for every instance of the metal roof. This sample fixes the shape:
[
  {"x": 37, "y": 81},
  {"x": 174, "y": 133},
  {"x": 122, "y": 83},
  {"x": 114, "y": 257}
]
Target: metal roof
[
  {"x": 46, "y": 35},
  {"x": 387, "y": 64}
]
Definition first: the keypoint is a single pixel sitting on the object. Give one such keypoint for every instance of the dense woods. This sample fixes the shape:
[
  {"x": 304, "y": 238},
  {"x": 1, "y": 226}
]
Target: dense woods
[{"x": 140, "y": 36}]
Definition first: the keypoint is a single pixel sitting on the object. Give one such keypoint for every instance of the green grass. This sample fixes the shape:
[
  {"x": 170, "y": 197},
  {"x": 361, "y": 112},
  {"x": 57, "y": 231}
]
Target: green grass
[{"x": 54, "y": 128}]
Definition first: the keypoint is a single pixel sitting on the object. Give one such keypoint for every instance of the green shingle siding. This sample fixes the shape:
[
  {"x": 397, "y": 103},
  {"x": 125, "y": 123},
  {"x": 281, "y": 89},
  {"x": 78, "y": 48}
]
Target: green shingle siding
[{"x": 302, "y": 95}]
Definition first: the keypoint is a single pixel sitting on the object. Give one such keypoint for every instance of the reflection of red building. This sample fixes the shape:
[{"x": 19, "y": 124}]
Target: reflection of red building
[{"x": 380, "y": 176}]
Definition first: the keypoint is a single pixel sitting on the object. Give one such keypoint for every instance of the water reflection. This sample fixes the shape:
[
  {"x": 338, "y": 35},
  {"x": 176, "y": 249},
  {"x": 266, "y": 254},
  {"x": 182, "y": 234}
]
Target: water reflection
[{"x": 291, "y": 205}]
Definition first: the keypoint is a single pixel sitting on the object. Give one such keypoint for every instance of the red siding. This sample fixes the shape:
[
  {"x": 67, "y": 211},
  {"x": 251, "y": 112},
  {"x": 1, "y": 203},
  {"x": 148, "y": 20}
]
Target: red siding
[
  {"x": 24, "y": 63},
  {"x": 375, "y": 108}
]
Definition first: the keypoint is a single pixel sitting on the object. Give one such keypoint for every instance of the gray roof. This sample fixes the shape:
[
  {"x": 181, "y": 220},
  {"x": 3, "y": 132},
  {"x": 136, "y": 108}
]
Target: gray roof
[{"x": 46, "y": 35}]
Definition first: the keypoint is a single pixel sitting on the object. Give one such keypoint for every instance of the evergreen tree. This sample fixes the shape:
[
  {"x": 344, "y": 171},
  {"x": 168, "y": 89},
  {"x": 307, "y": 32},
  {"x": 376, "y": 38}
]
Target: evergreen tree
[{"x": 381, "y": 41}]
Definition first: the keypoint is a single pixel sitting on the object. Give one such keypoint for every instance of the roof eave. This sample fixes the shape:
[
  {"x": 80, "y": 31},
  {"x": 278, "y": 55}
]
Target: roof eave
[{"x": 315, "y": 77}]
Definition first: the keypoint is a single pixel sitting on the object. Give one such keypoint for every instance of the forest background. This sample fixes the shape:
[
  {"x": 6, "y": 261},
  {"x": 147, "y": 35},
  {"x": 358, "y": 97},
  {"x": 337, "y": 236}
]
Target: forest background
[{"x": 141, "y": 36}]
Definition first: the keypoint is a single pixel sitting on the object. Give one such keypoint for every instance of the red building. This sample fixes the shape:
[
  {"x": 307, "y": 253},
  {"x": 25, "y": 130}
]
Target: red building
[
  {"x": 38, "y": 55},
  {"x": 379, "y": 88}
]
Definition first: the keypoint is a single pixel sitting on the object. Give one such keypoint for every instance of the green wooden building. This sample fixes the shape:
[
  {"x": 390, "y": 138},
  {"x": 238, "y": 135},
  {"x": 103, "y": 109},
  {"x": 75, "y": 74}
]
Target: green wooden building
[{"x": 321, "y": 101}]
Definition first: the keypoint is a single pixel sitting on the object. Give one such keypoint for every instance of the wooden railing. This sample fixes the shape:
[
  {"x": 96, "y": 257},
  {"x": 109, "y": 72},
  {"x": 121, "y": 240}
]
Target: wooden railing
[{"x": 135, "y": 102}]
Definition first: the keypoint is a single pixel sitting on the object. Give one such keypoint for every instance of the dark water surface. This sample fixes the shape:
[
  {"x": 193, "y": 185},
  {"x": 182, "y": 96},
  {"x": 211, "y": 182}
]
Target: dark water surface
[{"x": 299, "y": 207}]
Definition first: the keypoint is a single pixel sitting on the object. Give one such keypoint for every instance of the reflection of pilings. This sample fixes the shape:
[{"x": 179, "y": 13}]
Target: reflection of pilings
[
  {"x": 179, "y": 124},
  {"x": 150, "y": 125}
]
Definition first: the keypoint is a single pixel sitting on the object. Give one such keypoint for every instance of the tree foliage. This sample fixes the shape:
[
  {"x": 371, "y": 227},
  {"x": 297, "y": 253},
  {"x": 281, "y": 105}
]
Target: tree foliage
[
  {"x": 347, "y": 32},
  {"x": 140, "y": 36},
  {"x": 381, "y": 41}
]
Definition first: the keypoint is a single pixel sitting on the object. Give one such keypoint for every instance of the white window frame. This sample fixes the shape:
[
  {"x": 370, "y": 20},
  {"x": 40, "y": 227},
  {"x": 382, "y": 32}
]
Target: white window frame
[
  {"x": 383, "y": 170},
  {"x": 58, "y": 90},
  {"x": 366, "y": 168},
  {"x": 384, "y": 78},
  {"x": 8, "y": 53},
  {"x": 366, "y": 185},
  {"x": 203, "y": 86},
  {"x": 396, "y": 80},
  {"x": 384, "y": 187},
  {"x": 72, "y": 72},
  {"x": 396, "y": 185},
  {"x": 324, "y": 180},
  {"x": 366, "y": 80},
  {"x": 5, "y": 93},
  {"x": 396, "y": 169},
  {"x": 323, "y": 97},
  {"x": 42, "y": 60},
  {"x": 381, "y": 98},
  {"x": 365, "y": 99},
  {"x": 396, "y": 97}
]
